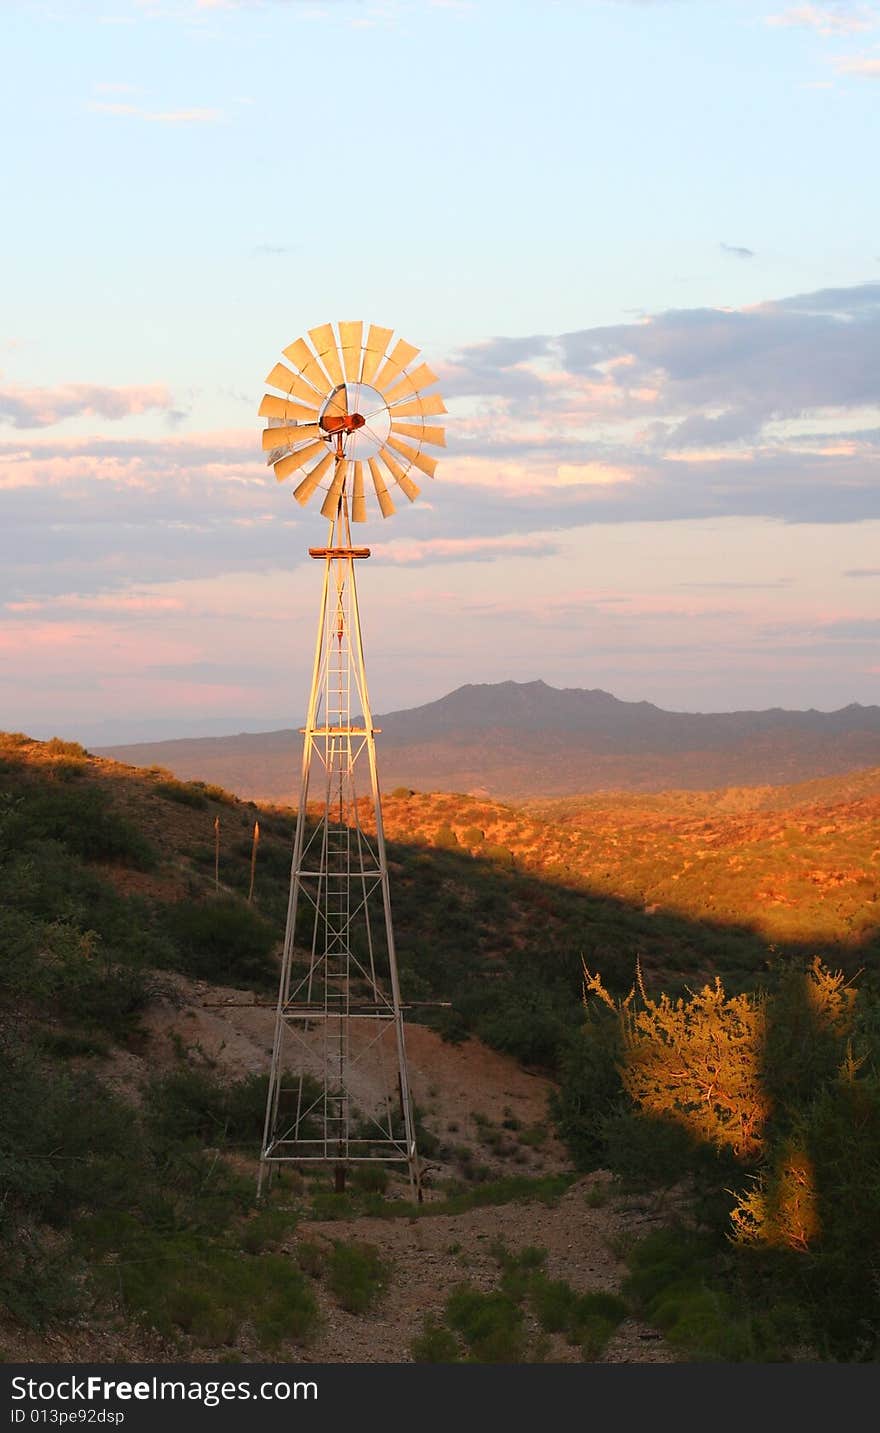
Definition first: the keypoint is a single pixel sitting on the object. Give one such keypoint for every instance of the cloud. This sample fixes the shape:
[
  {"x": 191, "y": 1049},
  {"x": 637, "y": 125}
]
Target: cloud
[
  {"x": 840, "y": 19},
  {"x": 176, "y": 116},
  {"x": 736, "y": 251},
  {"x": 853, "y": 629},
  {"x": 402, "y": 551},
  {"x": 868, "y": 66},
  {"x": 862, "y": 572},
  {"x": 767, "y": 411},
  {"x": 112, "y": 602},
  {"x": 682, "y": 378},
  {"x": 42, "y": 407}
]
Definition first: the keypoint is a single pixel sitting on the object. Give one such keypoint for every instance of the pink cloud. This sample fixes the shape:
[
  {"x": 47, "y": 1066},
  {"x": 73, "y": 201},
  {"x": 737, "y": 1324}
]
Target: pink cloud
[
  {"x": 100, "y": 602},
  {"x": 131, "y": 463},
  {"x": 41, "y": 407},
  {"x": 405, "y": 551},
  {"x": 866, "y": 65},
  {"x": 827, "y": 20}
]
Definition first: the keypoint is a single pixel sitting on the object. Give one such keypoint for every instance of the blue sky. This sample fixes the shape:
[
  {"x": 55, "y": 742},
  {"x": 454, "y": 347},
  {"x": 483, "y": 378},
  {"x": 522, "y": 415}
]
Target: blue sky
[{"x": 638, "y": 241}]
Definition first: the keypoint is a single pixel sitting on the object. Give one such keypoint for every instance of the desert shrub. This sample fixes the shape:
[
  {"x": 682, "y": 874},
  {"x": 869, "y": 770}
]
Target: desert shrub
[
  {"x": 184, "y": 793},
  {"x": 490, "y": 1324},
  {"x": 197, "y": 1103},
  {"x": 472, "y": 836},
  {"x": 695, "y": 1061},
  {"x": 215, "y": 793},
  {"x": 402, "y": 792},
  {"x": 69, "y": 770},
  {"x": 497, "y": 854},
  {"x": 446, "y": 838},
  {"x": 82, "y": 821},
  {"x": 357, "y": 1275},
  {"x": 311, "y": 1258},
  {"x": 56, "y": 747},
  {"x": 554, "y": 1303},
  {"x": 373, "y": 1178},
  {"x": 512, "y": 1189},
  {"x": 39, "y": 1283},
  {"x": 64, "y": 1139},
  {"x": 524, "y": 1020},
  {"x": 264, "y": 1230},
  {"x": 435, "y": 1344},
  {"x": 684, "y": 1285},
  {"x": 223, "y": 940},
  {"x": 181, "y": 1283}
]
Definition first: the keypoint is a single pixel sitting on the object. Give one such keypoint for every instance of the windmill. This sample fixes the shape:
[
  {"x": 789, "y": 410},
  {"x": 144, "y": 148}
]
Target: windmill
[{"x": 339, "y": 1092}]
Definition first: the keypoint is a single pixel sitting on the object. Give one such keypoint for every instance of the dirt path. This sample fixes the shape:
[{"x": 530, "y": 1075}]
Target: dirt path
[{"x": 430, "y": 1255}]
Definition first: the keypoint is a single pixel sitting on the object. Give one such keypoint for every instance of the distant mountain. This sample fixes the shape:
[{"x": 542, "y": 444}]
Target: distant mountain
[{"x": 520, "y": 740}]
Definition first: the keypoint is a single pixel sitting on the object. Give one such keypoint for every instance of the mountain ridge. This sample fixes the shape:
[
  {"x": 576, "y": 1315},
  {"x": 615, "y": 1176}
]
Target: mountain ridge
[{"x": 519, "y": 740}]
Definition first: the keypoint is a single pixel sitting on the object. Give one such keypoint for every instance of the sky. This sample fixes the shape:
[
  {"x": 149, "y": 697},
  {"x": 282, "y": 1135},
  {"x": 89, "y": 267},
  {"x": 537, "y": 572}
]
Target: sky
[{"x": 638, "y": 240}]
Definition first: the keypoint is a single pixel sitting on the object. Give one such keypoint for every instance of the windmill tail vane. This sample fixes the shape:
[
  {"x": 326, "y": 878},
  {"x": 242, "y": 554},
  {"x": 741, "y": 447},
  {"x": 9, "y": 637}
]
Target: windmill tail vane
[{"x": 349, "y": 419}]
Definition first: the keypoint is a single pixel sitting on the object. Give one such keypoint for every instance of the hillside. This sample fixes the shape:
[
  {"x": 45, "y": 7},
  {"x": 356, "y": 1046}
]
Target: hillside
[
  {"x": 519, "y": 741},
  {"x": 135, "y": 1019}
]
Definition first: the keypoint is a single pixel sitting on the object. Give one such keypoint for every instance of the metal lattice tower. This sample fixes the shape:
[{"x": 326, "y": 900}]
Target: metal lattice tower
[{"x": 338, "y": 1084}]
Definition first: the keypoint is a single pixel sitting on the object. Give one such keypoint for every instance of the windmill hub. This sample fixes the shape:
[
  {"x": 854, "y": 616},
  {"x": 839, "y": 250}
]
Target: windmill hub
[{"x": 342, "y": 422}]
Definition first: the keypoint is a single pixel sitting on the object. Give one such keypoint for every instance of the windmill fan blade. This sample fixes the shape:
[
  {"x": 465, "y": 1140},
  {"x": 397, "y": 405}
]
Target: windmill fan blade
[
  {"x": 350, "y": 341},
  {"x": 418, "y": 460},
  {"x": 303, "y": 491},
  {"x": 402, "y": 354},
  {"x": 358, "y": 502},
  {"x": 386, "y": 506},
  {"x": 299, "y": 353},
  {"x": 404, "y": 482},
  {"x": 420, "y": 407},
  {"x": 288, "y": 437},
  {"x": 421, "y": 377},
  {"x": 330, "y": 505},
  {"x": 407, "y": 485},
  {"x": 378, "y": 340},
  {"x": 324, "y": 340},
  {"x": 292, "y": 383},
  {"x": 286, "y": 466},
  {"x": 272, "y": 407},
  {"x": 422, "y": 433},
  {"x": 315, "y": 375}
]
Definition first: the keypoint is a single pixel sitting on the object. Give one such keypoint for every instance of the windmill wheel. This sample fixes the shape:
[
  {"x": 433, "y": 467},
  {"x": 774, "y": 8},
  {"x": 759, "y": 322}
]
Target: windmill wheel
[{"x": 349, "y": 404}]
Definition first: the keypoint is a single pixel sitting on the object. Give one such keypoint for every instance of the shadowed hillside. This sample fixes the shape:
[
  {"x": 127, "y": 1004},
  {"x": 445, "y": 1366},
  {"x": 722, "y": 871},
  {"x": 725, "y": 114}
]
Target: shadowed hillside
[
  {"x": 517, "y": 741},
  {"x": 136, "y": 1008}
]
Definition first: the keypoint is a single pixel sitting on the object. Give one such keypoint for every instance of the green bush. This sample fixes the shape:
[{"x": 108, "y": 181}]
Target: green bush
[
  {"x": 223, "y": 940},
  {"x": 490, "y": 1324},
  {"x": 185, "y": 793},
  {"x": 81, "y": 820},
  {"x": 435, "y": 1344},
  {"x": 357, "y": 1276},
  {"x": 181, "y": 1283},
  {"x": 189, "y": 1103},
  {"x": 498, "y": 855}
]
